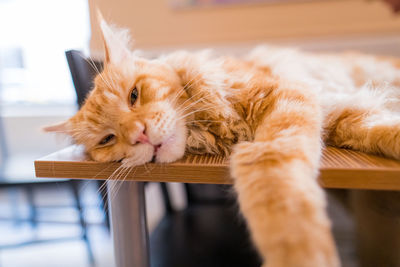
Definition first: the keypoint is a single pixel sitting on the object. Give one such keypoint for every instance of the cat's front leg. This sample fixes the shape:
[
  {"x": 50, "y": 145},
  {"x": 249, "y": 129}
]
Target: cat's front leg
[
  {"x": 284, "y": 208},
  {"x": 275, "y": 179}
]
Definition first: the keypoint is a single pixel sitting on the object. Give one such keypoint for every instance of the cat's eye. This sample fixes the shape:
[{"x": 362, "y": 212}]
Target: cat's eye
[
  {"x": 134, "y": 96},
  {"x": 107, "y": 139}
]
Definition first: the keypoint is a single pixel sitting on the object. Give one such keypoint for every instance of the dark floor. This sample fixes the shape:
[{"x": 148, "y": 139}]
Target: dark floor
[
  {"x": 202, "y": 236},
  {"x": 215, "y": 236}
]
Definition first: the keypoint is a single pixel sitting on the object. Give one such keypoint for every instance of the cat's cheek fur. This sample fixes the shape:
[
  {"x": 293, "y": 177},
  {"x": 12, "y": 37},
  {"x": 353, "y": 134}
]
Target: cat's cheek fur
[
  {"x": 106, "y": 154},
  {"x": 138, "y": 155},
  {"x": 173, "y": 149}
]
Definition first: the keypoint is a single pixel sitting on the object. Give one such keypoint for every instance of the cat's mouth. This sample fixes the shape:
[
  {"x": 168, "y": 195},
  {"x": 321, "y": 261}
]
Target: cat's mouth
[{"x": 156, "y": 148}]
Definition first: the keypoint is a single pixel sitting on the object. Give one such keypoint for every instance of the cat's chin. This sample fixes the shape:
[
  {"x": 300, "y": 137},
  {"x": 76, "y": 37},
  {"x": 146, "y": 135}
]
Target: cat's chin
[
  {"x": 143, "y": 153},
  {"x": 167, "y": 154},
  {"x": 169, "y": 151},
  {"x": 172, "y": 150}
]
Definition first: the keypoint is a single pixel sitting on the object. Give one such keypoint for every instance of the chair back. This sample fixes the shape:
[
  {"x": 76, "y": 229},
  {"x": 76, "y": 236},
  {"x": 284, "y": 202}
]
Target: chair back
[{"x": 83, "y": 70}]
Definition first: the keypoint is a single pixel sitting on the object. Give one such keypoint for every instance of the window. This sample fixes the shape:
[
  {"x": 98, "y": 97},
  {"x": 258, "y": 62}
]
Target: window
[{"x": 34, "y": 37}]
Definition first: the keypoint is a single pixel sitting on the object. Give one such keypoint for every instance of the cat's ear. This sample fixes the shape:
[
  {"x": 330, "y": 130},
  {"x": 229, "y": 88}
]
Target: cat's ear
[
  {"x": 116, "y": 41},
  {"x": 62, "y": 127}
]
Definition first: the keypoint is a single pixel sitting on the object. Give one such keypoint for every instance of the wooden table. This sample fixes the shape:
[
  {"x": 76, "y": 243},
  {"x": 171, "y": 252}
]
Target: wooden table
[{"x": 340, "y": 168}]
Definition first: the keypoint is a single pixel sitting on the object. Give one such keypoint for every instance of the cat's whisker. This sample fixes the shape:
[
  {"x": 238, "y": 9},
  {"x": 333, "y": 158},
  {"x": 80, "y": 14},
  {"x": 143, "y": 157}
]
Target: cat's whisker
[
  {"x": 115, "y": 190},
  {"x": 189, "y": 109},
  {"x": 127, "y": 174},
  {"x": 98, "y": 72},
  {"x": 118, "y": 182},
  {"x": 188, "y": 106},
  {"x": 108, "y": 187},
  {"x": 179, "y": 110},
  {"x": 94, "y": 66},
  {"x": 187, "y": 85},
  {"x": 111, "y": 184},
  {"x": 109, "y": 82},
  {"x": 114, "y": 83},
  {"x": 129, "y": 169},
  {"x": 105, "y": 81},
  {"x": 101, "y": 188},
  {"x": 114, "y": 176},
  {"x": 107, "y": 167},
  {"x": 121, "y": 180},
  {"x": 190, "y": 98},
  {"x": 195, "y": 96},
  {"x": 102, "y": 191},
  {"x": 153, "y": 167},
  {"x": 110, "y": 78},
  {"x": 146, "y": 167},
  {"x": 91, "y": 63},
  {"x": 177, "y": 95},
  {"x": 162, "y": 166},
  {"x": 192, "y": 80},
  {"x": 195, "y": 111},
  {"x": 211, "y": 121},
  {"x": 182, "y": 111}
]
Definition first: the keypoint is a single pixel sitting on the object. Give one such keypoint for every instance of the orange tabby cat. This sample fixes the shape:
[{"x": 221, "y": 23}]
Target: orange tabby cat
[{"x": 271, "y": 111}]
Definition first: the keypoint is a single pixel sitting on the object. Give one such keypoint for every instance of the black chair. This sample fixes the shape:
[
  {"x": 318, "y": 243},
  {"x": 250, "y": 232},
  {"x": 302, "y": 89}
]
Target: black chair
[{"x": 83, "y": 70}]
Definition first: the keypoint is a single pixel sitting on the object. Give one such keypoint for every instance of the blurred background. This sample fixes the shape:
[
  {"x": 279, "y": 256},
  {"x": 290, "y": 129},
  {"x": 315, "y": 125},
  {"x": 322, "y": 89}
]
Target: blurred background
[{"x": 62, "y": 223}]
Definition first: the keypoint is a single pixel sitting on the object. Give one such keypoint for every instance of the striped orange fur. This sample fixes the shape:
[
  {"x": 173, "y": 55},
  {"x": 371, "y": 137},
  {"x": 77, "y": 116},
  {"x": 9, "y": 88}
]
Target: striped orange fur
[{"x": 271, "y": 111}]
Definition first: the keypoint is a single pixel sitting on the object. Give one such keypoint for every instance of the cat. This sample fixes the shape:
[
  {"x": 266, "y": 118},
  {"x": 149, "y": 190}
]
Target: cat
[{"x": 271, "y": 112}]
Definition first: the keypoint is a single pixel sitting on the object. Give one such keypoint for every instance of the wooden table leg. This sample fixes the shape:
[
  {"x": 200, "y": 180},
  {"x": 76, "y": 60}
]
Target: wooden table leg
[
  {"x": 128, "y": 223},
  {"x": 377, "y": 215}
]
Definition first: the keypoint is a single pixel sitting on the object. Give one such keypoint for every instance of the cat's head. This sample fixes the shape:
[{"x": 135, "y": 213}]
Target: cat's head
[{"x": 132, "y": 114}]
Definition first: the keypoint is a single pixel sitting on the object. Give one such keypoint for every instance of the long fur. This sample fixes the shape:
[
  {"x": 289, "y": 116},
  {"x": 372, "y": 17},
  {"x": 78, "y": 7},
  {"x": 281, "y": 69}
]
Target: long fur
[{"x": 271, "y": 111}]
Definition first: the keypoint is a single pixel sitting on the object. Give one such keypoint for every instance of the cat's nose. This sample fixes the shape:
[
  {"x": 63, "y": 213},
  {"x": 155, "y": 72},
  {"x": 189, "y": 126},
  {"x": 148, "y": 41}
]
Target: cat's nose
[
  {"x": 143, "y": 138},
  {"x": 139, "y": 135}
]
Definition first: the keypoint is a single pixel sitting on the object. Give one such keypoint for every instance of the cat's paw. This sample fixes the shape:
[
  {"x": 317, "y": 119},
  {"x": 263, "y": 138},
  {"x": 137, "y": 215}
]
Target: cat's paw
[
  {"x": 305, "y": 263},
  {"x": 333, "y": 262},
  {"x": 314, "y": 249}
]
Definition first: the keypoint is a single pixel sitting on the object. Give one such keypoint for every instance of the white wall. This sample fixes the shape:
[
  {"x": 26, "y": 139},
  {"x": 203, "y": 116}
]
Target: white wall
[{"x": 23, "y": 132}]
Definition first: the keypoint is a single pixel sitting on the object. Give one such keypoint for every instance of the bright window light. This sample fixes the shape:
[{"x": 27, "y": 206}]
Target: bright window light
[{"x": 34, "y": 37}]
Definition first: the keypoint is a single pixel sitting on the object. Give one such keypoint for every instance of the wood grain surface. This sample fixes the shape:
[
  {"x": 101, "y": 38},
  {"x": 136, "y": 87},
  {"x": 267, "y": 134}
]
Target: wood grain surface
[{"x": 340, "y": 168}]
